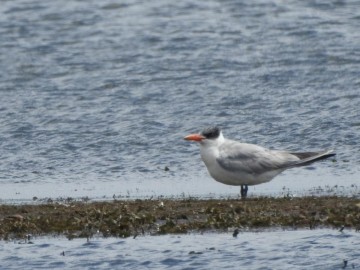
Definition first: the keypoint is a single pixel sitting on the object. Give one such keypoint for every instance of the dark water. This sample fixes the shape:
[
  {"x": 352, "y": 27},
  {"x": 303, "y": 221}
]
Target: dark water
[
  {"x": 96, "y": 96},
  {"x": 318, "y": 249}
]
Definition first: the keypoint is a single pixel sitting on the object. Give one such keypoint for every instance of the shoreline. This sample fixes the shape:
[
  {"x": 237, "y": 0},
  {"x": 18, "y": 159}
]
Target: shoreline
[{"x": 130, "y": 218}]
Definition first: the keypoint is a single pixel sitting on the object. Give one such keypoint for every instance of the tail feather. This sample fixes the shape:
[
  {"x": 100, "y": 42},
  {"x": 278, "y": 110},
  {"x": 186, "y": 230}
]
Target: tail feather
[{"x": 307, "y": 158}]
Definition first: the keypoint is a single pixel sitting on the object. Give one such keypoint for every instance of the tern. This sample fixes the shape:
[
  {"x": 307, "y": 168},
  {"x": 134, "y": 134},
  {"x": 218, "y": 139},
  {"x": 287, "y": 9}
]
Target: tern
[{"x": 243, "y": 164}]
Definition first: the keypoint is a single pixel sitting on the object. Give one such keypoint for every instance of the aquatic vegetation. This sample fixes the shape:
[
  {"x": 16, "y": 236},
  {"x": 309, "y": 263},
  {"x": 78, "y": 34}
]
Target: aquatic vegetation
[{"x": 161, "y": 216}]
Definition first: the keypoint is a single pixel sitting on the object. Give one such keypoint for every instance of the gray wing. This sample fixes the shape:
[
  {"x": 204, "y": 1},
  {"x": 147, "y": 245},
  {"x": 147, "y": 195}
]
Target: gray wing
[
  {"x": 307, "y": 158},
  {"x": 253, "y": 159}
]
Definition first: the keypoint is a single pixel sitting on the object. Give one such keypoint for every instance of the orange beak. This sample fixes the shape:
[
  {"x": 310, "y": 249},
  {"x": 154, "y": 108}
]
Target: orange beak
[{"x": 194, "y": 137}]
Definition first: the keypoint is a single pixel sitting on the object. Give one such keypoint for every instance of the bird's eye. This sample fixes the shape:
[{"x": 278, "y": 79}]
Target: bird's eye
[{"x": 211, "y": 133}]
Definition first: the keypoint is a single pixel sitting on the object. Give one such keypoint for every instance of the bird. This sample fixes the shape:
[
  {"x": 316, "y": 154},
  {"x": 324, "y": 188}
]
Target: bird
[{"x": 242, "y": 164}]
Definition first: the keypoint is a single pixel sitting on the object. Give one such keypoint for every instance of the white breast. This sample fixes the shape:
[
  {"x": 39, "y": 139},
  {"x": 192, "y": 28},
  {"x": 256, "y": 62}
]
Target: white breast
[{"x": 210, "y": 152}]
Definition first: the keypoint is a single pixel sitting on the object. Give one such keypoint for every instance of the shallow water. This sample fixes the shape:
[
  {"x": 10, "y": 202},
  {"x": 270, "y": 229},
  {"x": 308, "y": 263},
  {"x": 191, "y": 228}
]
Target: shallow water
[
  {"x": 302, "y": 249},
  {"x": 96, "y": 96}
]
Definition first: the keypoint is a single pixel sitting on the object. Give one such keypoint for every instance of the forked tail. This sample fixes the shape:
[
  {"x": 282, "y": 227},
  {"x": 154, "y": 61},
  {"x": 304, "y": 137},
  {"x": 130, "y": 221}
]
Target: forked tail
[{"x": 307, "y": 158}]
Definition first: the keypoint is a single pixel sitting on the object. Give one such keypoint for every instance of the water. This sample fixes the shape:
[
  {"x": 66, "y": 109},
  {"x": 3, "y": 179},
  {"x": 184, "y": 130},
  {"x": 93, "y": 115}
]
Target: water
[
  {"x": 303, "y": 249},
  {"x": 97, "y": 96}
]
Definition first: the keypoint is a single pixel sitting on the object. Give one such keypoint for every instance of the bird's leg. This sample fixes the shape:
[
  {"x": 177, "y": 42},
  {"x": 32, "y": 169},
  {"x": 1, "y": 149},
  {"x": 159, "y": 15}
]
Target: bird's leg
[{"x": 243, "y": 191}]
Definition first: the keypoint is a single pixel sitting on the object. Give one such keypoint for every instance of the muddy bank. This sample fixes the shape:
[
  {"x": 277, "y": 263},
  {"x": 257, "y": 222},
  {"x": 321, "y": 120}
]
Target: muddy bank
[{"x": 161, "y": 216}]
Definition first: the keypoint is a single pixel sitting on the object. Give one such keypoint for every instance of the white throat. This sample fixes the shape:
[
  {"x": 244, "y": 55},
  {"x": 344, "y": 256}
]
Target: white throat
[{"x": 209, "y": 149}]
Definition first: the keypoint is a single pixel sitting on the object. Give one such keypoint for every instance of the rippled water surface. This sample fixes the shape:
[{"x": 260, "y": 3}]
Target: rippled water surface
[
  {"x": 96, "y": 96},
  {"x": 317, "y": 249}
]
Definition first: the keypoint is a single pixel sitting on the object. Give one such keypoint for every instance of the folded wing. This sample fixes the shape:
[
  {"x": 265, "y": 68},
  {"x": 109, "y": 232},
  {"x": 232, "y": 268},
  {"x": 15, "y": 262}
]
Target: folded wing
[{"x": 256, "y": 160}]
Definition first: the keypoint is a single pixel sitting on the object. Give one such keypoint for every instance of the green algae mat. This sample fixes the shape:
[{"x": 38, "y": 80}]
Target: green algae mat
[{"x": 161, "y": 216}]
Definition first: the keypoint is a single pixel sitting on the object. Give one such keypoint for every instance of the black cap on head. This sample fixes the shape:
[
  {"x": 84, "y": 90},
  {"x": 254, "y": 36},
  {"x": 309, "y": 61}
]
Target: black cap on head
[{"x": 211, "y": 132}]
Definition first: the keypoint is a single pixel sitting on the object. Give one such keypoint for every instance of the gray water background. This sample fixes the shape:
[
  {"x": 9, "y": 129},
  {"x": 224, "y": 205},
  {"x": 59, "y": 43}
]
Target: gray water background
[
  {"x": 303, "y": 249},
  {"x": 96, "y": 96}
]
